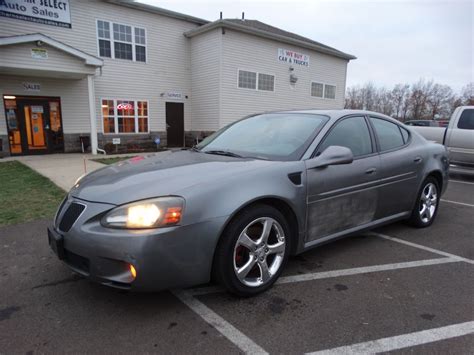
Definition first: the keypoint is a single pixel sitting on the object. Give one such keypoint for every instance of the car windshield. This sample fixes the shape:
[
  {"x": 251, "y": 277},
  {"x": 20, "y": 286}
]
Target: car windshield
[{"x": 274, "y": 136}]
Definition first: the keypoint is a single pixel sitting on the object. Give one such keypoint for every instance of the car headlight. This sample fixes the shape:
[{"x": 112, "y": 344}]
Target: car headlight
[{"x": 152, "y": 213}]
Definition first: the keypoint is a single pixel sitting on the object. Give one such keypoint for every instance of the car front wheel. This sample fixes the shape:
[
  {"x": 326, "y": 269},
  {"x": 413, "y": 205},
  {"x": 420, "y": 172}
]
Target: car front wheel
[{"x": 252, "y": 251}]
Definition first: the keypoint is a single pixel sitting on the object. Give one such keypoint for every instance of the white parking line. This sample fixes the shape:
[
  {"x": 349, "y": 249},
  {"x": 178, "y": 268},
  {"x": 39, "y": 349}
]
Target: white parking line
[
  {"x": 338, "y": 273},
  {"x": 364, "y": 270},
  {"x": 242, "y": 341},
  {"x": 457, "y": 203},
  {"x": 439, "y": 252},
  {"x": 403, "y": 341},
  {"x": 462, "y": 182}
]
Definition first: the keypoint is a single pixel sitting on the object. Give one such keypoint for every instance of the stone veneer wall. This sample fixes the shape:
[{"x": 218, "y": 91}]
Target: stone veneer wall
[
  {"x": 141, "y": 141},
  {"x": 127, "y": 141},
  {"x": 5, "y": 147},
  {"x": 190, "y": 137}
]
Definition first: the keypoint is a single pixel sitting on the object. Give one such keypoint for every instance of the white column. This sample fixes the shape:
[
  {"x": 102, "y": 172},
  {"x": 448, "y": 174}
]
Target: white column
[{"x": 92, "y": 113}]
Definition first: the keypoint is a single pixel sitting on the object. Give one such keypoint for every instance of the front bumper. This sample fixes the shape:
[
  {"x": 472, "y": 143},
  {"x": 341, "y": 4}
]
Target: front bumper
[{"x": 164, "y": 258}]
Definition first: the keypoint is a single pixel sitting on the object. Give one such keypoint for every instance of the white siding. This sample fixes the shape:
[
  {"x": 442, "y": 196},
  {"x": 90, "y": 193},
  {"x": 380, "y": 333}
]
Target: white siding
[
  {"x": 168, "y": 65},
  {"x": 243, "y": 51},
  {"x": 74, "y": 100},
  {"x": 205, "y": 79},
  {"x": 19, "y": 56}
]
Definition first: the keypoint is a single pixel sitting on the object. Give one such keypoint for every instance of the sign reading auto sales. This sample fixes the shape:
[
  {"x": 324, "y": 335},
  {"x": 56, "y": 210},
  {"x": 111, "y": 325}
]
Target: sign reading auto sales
[
  {"x": 292, "y": 57},
  {"x": 48, "y": 12}
]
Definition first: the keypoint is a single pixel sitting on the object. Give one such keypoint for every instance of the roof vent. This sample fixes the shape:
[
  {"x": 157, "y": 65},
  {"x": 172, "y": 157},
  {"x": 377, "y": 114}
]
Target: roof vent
[{"x": 243, "y": 16}]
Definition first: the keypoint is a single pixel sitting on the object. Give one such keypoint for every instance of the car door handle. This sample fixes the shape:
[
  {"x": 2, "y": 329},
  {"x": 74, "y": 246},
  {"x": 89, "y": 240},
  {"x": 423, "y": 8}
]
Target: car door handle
[
  {"x": 370, "y": 171},
  {"x": 418, "y": 159}
]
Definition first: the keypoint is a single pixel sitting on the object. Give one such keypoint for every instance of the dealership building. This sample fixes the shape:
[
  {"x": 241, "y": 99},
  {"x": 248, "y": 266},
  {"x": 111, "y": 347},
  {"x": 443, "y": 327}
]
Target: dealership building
[{"x": 121, "y": 74}]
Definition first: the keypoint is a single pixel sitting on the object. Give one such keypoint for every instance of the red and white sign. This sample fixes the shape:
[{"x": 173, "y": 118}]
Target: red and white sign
[
  {"x": 292, "y": 57},
  {"x": 125, "y": 106}
]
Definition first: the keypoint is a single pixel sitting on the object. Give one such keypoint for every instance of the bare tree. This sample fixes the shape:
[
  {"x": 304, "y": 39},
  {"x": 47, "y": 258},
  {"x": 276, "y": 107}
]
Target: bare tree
[
  {"x": 467, "y": 94},
  {"x": 400, "y": 95},
  {"x": 439, "y": 101},
  {"x": 421, "y": 100}
]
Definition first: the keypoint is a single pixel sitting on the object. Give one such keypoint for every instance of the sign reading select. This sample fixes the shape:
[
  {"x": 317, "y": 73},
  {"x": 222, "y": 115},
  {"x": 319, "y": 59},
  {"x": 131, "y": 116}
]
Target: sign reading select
[{"x": 48, "y": 12}]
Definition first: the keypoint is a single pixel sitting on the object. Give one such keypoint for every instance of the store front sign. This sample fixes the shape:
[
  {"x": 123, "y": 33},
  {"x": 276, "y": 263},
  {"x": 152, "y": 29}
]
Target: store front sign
[
  {"x": 176, "y": 95},
  {"x": 48, "y": 12},
  {"x": 292, "y": 57},
  {"x": 32, "y": 86},
  {"x": 39, "y": 53}
]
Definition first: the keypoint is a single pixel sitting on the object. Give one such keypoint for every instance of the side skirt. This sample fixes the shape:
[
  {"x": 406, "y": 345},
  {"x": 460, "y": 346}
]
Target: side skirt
[{"x": 355, "y": 230}]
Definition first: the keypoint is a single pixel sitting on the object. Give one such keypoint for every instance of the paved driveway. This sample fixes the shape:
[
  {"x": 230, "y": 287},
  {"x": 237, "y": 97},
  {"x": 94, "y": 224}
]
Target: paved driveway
[{"x": 398, "y": 290}]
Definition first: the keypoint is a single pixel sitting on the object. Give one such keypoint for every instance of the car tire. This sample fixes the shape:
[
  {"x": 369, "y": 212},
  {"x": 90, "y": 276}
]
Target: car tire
[
  {"x": 427, "y": 203},
  {"x": 255, "y": 245}
]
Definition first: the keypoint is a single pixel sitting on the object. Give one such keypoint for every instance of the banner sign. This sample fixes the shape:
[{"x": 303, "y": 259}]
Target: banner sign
[
  {"x": 48, "y": 12},
  {"x": 292, "y": 57}
]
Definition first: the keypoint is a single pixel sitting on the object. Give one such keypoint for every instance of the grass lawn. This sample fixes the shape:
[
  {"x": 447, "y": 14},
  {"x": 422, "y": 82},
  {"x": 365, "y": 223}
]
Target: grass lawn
[
  {"x": 108, "y": 161},
  {"x": 26, "y": 195}
]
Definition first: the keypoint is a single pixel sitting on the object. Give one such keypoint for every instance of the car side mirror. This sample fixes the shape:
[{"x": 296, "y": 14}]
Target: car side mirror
[{"x": 332, "y": 155}]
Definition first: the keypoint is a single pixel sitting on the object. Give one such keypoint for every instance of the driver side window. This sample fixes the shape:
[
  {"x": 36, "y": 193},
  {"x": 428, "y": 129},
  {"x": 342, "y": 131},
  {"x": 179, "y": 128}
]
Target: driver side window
[{"x": 351, "y": 132}]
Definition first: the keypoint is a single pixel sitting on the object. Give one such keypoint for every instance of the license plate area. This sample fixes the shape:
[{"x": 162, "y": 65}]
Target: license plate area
[{"x": 56, "y": 242}]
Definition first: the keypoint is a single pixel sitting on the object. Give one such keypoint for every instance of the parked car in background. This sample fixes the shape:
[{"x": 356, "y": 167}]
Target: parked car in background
[
  {"x": 458, "y": 137},
  {"x": 247, "y": 197},
  {"x": 422, "y": 123}
]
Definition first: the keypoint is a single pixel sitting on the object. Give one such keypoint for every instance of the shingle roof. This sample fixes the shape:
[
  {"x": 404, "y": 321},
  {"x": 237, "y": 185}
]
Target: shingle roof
[{"x": 259, "y": 28}]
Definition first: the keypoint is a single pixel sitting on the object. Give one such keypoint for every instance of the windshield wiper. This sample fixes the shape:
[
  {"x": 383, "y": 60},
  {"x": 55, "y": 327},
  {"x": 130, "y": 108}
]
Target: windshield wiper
[{"x": 223, "y": 152}]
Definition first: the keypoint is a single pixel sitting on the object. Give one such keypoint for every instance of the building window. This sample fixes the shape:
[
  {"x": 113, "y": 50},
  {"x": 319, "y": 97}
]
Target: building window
[
  {"x": 125, "y": 116},
  {"x": 127, "y": 43},
  {"x": 140, "y": 42},
  {"x": 247, "y": 79},
  {"x": 323, "y": 90},
  {"x": 329, "y": 91},
  {"x": 266, "y": 82},
  {"x": 317, "y": 89},
  {"x": 103, "y": 32},
  {"x": 253, "y": 80}
]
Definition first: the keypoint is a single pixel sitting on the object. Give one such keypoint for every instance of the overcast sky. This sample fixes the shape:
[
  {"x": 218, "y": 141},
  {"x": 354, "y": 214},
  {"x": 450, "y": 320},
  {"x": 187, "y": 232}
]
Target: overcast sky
[{"x": 395, "y": 41}]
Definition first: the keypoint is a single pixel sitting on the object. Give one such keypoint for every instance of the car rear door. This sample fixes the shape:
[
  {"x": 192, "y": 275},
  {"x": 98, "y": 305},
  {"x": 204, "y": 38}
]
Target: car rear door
[
  {"x": 341, "y": 197},
  {"x": 401, "y": 164}
]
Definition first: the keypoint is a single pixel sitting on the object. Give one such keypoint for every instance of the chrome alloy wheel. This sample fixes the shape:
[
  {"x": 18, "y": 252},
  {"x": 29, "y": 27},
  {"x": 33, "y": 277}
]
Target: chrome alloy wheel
[
  {"x": 428, "y": 202},
  {"x": 259, "y": 251}
]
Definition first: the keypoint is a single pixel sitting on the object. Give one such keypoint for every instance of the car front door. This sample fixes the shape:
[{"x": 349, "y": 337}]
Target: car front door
[{"x": 343, "y": 197}]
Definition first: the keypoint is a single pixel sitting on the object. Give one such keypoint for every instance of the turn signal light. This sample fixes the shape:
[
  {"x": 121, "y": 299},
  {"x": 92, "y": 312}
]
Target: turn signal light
[
  {"x": 133, "y": 271},
  {"x": 172, "y": 215}
]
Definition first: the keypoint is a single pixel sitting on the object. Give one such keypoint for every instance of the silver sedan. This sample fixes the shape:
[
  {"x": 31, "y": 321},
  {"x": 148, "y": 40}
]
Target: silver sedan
[{"x": 237, "y": 205}]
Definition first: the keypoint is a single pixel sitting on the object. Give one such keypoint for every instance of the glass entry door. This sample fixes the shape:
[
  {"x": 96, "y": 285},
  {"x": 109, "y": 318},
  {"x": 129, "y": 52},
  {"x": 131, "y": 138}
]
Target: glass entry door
[{"x": 34, "y": 125}]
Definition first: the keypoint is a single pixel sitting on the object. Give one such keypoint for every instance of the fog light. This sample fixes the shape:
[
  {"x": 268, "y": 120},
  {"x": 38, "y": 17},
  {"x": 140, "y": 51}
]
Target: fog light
[{"x": 133, "y": 271}]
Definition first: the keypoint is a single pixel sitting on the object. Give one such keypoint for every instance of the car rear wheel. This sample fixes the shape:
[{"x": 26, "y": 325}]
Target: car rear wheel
[
  {"x": 252, "y": 251},
  {"x": 426, "y": 206}
]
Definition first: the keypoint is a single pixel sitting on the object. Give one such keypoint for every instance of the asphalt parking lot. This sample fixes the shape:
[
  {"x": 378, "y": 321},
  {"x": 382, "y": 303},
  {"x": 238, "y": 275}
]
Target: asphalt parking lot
[{"x": 396, "y": 289}]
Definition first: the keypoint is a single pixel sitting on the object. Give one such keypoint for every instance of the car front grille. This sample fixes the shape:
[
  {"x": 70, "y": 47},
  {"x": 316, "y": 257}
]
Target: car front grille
[{"x": 70, "y": 216}]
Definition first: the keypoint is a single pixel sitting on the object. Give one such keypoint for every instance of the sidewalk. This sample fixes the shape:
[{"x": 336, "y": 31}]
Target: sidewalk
[{"x": 62, "y": 169}]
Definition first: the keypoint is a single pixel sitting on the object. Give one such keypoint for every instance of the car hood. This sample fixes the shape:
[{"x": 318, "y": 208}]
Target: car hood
[{"x": 159, "y": 174}]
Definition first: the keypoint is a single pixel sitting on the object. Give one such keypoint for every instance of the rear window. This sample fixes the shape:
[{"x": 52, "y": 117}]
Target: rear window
[
  {"x": 466, "y": 121},
  {"x": 389, "y": 134}
]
